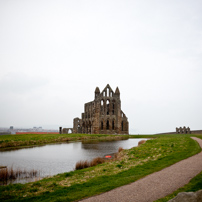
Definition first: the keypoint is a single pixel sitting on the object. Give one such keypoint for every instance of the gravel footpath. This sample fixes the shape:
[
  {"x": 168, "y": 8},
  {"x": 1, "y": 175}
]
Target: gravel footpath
[{"x": 156, "y": 185}]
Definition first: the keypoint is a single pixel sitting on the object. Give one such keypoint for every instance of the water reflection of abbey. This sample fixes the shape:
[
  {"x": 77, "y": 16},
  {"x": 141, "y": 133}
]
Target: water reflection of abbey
[{"x": 103, "y": 115}]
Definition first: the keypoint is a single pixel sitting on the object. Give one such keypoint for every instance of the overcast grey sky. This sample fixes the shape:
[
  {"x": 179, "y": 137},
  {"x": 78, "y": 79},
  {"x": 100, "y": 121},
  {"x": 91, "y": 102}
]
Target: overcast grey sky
[{"x": 53, "y": 54}]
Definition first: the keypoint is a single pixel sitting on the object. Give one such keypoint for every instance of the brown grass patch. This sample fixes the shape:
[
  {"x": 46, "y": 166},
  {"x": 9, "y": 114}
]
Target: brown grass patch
[
  {"x": 120, "y": 149},
  {"x": 97, "y": 161},
  {"x": 141, "y": 142},
  {"x": 87, "y": 164},
  {"x": 82, "y": 165}
]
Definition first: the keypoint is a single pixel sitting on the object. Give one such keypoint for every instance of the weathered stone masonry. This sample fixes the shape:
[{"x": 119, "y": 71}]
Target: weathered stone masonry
[
  {"x": 183, "y": 130},
  {"x": 103, "y": 115}
]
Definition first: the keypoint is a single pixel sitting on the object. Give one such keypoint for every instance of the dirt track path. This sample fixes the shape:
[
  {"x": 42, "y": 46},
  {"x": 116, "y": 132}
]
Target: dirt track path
[{"x": 156, "y": 185}]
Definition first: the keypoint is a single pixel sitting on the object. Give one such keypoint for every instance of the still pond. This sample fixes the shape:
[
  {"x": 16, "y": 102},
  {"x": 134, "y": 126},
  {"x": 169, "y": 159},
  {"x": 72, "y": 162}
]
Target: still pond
[{"x": 59, "y": 158}]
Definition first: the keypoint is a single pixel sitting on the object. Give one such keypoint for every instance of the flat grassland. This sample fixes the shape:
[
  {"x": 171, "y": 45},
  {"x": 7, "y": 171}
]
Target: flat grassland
[
  {"x": 8, "y": 142},
  {"x": 130, "y": 165}
]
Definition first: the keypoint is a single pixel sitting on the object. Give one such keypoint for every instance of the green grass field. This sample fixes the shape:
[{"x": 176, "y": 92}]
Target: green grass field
[
  {"x": 26, "y": 140},
  {"x": 157, "y": 153}
]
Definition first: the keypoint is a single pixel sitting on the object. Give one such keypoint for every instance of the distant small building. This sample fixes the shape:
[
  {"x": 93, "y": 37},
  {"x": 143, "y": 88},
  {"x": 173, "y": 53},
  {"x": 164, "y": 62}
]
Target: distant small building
[
  {"x": 103, "y": 115},
  {"x": 40, "y": 129},
  {"x": 11, "y": 130}
]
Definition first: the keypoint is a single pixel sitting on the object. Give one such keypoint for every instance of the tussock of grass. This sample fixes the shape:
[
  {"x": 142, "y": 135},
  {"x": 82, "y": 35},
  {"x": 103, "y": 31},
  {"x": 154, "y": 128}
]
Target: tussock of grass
[
  {"x": 82, "y": 165},
  {"x": 120, "y": 149},
  {"x": 141, "y": 142},
  {"x": 87, "y": 164},
  {"x": 97, "y": 161}
]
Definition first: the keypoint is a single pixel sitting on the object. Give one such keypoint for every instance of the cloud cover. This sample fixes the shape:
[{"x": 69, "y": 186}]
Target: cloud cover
[{"x": 53, "y": 54}]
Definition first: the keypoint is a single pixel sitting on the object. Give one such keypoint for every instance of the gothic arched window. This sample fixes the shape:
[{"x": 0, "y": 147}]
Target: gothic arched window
[
  {"x": 113, "y": 126},
  {"x": 107, "y": 107},
  {"x": 101, "y": 125},
  {"x": 107, "y": 125}
]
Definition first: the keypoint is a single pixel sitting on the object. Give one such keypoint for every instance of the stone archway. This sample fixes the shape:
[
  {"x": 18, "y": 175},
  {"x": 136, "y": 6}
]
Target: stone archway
[{"x": 67, "y": 130}]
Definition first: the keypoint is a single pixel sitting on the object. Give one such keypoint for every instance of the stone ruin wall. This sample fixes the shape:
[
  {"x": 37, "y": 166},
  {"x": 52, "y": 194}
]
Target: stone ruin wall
[
  {"x": 65, "y": 130},
  {"x": 183, "y": 130},
  {"x": 103, "y": 115}
]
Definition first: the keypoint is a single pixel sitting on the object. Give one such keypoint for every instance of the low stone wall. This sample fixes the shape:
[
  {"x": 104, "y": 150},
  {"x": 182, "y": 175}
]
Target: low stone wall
[{"x": 196, "y": 132}]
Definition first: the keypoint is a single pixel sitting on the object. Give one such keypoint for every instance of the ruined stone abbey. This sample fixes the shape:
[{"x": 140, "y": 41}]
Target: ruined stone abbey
[{"x": 103, "y": 115}]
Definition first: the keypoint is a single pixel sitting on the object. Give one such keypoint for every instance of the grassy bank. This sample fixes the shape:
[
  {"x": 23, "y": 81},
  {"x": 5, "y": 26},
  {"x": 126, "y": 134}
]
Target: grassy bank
[
  {"x": 8, "y": 142},
  {"x": 194, "y": 185},
  {"x": 130, "y": 166}
]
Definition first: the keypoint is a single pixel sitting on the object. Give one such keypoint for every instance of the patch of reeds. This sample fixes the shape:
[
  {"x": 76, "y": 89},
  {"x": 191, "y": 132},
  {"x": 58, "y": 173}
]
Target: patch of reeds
[
  {"x": 141, "y": 142},
  {"x": 87, "y": 164},
  {"x": 82, "y": 165},
  {"x": 120, "y": 149},
  {"x": 98, "y": 160},
  {"x": 11, "y": 174}
]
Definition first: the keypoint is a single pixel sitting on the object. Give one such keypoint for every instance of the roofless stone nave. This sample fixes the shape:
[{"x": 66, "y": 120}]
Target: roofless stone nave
[{"x": 103, "y": 115}]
